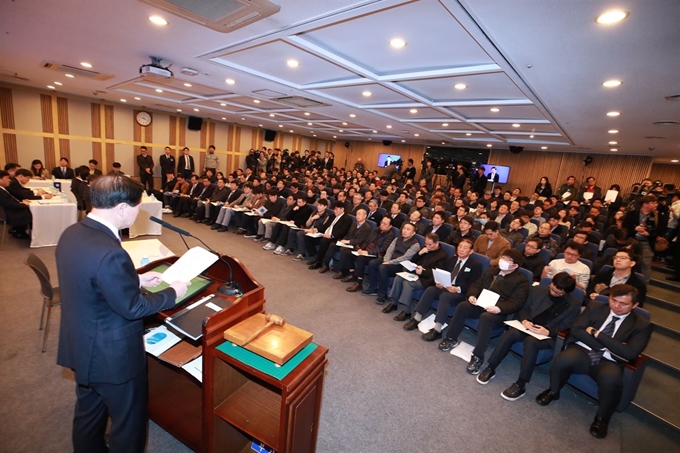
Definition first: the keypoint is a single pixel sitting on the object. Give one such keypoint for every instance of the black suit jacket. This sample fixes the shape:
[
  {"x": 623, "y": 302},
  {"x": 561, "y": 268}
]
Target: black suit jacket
[
  {"x": 18, "y": 214},
  {"x": 20, "y": 192},
  {"x": 459, "y": 181},
  {"x": 144, "y": 162},
  {"x": 102, "y": 306},
  {"x": 57, "y": 173},
  {"x": 469, "y": 274},
  {"x": 375, "y": 216},
  {"x": 167, "y": 164},
  {"x": 513, "y": 289},
  {"x": 628, "y": 342},
  {"x": 328, "y": 164},
  {"x": 492, "y": 176},
  {"x": 340, "y": 229},
  {"x": 539, "y": 301},
  {"x": 429, "y": 261},
  {"x": 606, "y": 277},
  {"x": 183, "y": 169},
  {"x": 357, "y": 236}
]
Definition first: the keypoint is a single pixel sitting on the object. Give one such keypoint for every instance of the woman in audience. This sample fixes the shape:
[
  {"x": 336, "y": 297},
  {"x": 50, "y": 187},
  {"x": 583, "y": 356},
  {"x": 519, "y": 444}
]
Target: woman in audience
[
  {"x": 615, "y": 223},
  {"x": 564, "y": 218},
  {"x": 492, "y": 209},
  {"x": 543, "y": 188},
  {"x": 39, "y": 172}
]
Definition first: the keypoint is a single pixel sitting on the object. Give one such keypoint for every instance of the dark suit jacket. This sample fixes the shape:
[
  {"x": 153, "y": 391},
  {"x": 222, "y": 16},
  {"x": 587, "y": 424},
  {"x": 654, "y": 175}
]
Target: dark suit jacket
[
  {"x": 181, "y": 166},
  {"x": 207, "y": 193},
  {"x": 409, "y": 173},
  {"x": 459, "y": 181},
  {"x": 18, "y": 214},
  {"x": 56, "y": 172},
  {"x": 628, "y": 342},
  {"x": 144, "y": 162},
  {"x": 167, "y": 164},
  {"x": 493, "y": 177},
  {"x": 102, "y": 306},
  {"x": 341, "y": 228},
  {"x": 606, "y": 277},
  {"x": 327, "y": 164},
  {"x": 513, "y": 289},
  {"x": 356, "y": 235},
  {"x": 20, "y": 192},
  {"x": 429, "y": 261},
  {"x": 375, "y": 216},
  {"x": 539, "y": 301},
  {"x": 597, "y": 193},
  {"x": 469, "y": 274}
]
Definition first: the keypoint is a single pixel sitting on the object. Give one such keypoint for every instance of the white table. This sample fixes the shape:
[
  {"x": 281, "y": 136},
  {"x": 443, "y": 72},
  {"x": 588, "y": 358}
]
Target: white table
[
  {"x": 46, "y": 184},
  {"x": 50, "y": 219},
  {"x": 151, "y": 248},
  {"x": 150, "y": 207}
]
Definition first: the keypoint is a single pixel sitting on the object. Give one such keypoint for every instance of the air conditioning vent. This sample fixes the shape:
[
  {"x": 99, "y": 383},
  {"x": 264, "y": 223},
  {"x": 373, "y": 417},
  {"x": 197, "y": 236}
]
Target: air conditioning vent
[
  {"x": 675, "y": 97},
  {"x": 666, "y": 123},
  {"x": 219, "y": 15},
  {"x": 76, "y": 71},
  {"x": 299, "y": 101}
]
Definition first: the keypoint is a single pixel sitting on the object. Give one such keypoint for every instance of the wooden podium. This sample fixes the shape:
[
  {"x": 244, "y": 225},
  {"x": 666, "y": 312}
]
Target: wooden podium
[{"x": 235, "y": 404}]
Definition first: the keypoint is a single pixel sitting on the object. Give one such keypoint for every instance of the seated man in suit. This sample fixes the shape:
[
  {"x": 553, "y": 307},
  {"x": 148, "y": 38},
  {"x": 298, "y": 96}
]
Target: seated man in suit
[
  {"x": 491, "y": 243},
  {"x": 602, "y": 339},
  {"x": 439, "y": 225},
  {"x": 186, "y": 204},
  {"x": 512, "y": 234},
  {"x": 373, "y": 213},
  {"x": 336, "y": 229},
  {"x": 395, "y": 215},
  {"x": 63, "y": 171},
  {"x": 281, "y": 235},
  {"x": 273, "y": 206},
  {"x": 17, "y": 211},
  {"x": 512, "y": 288},
  {"x": 380, "y": 270},
  {"x": 92, "y": 165},
  {"x": 244, "y": 200},
  {"x": 464, "y": 270},
  {"x": 22, "y": 177},
  {"x": 266, "y": 224},
  {"x": 116, "y": 169},
  {"x": 357, "y": 234},
  {"x": 431, "y": 256},
  {"x": 205, "y": 207},
  {"x": 352, "y": 267},
  {"x": 549, "y": 309},
  {"x": 622, "y": 272}
]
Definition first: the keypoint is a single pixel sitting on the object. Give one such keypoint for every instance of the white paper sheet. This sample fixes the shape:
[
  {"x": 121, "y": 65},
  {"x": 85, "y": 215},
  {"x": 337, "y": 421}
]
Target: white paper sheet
[
  {"x": 611, "y": 196},
  {"x": 159, "y": 340},
  {"x": 427, "y": 324},
  {"x": 463, "y": 350},
  {"x": 487, "y": 299},
  {"x": 409, "y": 265},
  {"x": 192, "y": 263},
  {"x": 566, "y": 195},
  {"x": 195, "y": 368},
  {"x": 442, "y": 277},
  {"x": 407, "y": 276},
  {"x": 357, "y": 254},
  {"x": 342, "y": 244},
  {"x": 587, "y": 195},
  {"x": 519, "y": 326},
  {"x": 314, "y": 235}
]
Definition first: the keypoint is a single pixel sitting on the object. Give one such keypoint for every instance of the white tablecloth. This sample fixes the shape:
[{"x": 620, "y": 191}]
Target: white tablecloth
[
  {"x": 150, "y": 248},
  {"x": 142, "y": 226},
  {"x": 50, "y": 220},
  {"x": 48, "y": 183}
]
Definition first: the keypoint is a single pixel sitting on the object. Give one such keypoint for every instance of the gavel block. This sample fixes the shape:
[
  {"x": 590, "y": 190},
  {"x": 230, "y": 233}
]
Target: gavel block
[{"x": 277, "y": 343}]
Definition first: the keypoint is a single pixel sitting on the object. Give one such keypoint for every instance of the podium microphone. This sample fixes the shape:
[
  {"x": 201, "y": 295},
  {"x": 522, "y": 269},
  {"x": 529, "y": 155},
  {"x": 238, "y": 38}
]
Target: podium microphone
[{"x": 230, "y": 288}]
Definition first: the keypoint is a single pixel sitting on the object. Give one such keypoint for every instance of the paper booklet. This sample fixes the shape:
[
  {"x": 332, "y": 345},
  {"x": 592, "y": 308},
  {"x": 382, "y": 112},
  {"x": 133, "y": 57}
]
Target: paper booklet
[
  {"x": 357, "y": 254},
  {"x": 409, "y": 265},
  {"x": 587, "y": 195},
  {"x": 487, "y": 299},
  {"x": 428, "y": 323},
  {"x": 159, "y": 339},
  {"x": 408, "y": 276},
  {"x": 342, "y": 244},
  {"x": 519, "y": 326},
  {"x": 611, "y": 196},
  {"x": 314, "y": 235},
  {"x": 192, "y": 263},
  {"x": 442, "y": 277}
]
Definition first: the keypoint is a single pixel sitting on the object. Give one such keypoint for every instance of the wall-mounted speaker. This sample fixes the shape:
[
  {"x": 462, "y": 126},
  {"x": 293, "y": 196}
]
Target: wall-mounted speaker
[
  {"x": 587, "y": 161},
  {"x": 194, "y": 123},
  {"x": 346, "y": 144},
  {"x": 387, "y": 142},
  {"x": 516, "y": 149},
  {"x": 269, "y": 135}
]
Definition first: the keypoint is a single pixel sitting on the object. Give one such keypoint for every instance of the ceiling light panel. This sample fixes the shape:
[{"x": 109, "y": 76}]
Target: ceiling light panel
[{"x": 480, "y": 87}]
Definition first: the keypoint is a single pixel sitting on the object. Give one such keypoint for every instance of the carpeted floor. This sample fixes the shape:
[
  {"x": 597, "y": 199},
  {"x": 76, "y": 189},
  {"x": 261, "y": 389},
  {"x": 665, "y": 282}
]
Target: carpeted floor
[{"x": 385, "y": 389}]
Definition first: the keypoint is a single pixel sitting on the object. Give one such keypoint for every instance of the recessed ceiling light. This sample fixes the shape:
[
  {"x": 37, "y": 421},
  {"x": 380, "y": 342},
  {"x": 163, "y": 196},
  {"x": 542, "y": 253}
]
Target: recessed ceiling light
[
  {"x": 611, "y": 83},
  {"x": 675, "y": 161},
  {"x": 196, "y": 110},
  {"x": 137, "y": 98},
  {"x": 443, "y": 143},
  {"x": 310, "y": 124},
  {"x": 280, "y": 125},
  {"x": 158, "y": 90},
  {"x": 230, "y": 81},
  {"x": 223, "y": 104},
  {"x": 611, "y": 17},
  {"x": 259, "y": 125},
  {"x": 85, "y": 64},
  {"x": 70, "y": 76},
  {"x": 389, "y": 126},
  {"x": 416, "y": 135},
  {"x": 468, "y": 134},
  {"x": 370, "y": 139},
  {"x": 544, "y": 147},
  {"x": 313, "y": 135},
  {"x": 531, "y": 136},
  {"x": 335, "y": 136},
  {"x": 398, "y": 43},
  {"x": 243, "y": 119},
  {"x": 613, "y": 113},
  {"x": 366, "y": 94},
  {"x": 58, "y": 83},
  {"x": 516, "y": 125},
  {"x": 488, "y": 145},
  {"x": 188, "y": 85},
  {"x": 341, "y": 130},
  {"x": 403, "y": 141},
  {"x": 123, "y": 100},
  {"x": 413, "y": 111},
  {"x": 495, "y": 109},
  {"x": 272, "y": 115},
  {"x": 375, "y": 132},
  {"x": 179, "y": 110},
  {"x": 293, "y": 63},
  {"x": 445, "y": 124},
  {"x": 225, "y": 118},
  {"x": 158, "y": 20},
  {"x": 291, "y": 130},
  {"x": 51, "y": 87},
  {"x": 344, "y": 124},
  {"x": 613, "y": 143},
  {"x": 460, "y": 86},
  {"x": 257, "y": 101},
  {"x": 613, "y": 149},
  {"x": 613, "y": 131},
  {"x": 307, "y": 113},
  {"x": 352, "y": 115}
]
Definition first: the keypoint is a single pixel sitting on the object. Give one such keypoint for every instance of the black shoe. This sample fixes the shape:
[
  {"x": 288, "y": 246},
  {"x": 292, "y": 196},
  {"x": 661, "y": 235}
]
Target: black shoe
[
  {"x": 324, "y": 269},
  {"x": 175, "y": 215},
  {"x": 389, "y": 308},
  {"x": 314, "y": 266},
  {"x": 185, "y": 215},
  {"x": 512, "y": 393},
  {"x": 411, "y": 325},
  {"x": 447, "y": 344},
  {"x": 380, "y": 299},
  {"x": 215, "y": 226},
  {"x": 485, "y": 376},
  {"x": 310, "y": 262},
  {"x": 222, "y": 229},
  {"x": 210, "y": 223},
  {"x": 431, "y": 335},
  {"x": 546, "y": 397},
  {"x": 599, "y": 427},
  {"x": 402, "y": 316},
  {"x": 475, "y": 365}
]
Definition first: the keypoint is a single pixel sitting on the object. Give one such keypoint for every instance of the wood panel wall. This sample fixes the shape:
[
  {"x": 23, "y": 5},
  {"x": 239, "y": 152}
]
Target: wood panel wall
[
  {"x": 527, "y": 168},
  {"x": 368, "y": 151},
  {"x": 668, "y": 173}
]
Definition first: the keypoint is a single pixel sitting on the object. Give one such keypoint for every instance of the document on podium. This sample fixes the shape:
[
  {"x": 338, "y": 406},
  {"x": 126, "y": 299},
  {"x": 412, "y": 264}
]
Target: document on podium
[
  {"x": 192, "y": 263},
  {"x": 159, "y": 339},
  {"x": 487, "y": 299}
]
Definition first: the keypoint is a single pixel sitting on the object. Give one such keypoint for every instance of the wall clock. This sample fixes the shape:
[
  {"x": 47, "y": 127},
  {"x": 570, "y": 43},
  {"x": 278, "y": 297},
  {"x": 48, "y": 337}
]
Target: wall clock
[{"x": 143, "y": 118}]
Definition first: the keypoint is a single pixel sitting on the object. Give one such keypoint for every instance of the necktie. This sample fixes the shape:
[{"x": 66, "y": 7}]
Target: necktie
[
  {"x": 186, "y": 163},
  {"x": 596, "y": 356},
  {"x": 455, "y": 271},
  {"x": 63, "y": 171}
]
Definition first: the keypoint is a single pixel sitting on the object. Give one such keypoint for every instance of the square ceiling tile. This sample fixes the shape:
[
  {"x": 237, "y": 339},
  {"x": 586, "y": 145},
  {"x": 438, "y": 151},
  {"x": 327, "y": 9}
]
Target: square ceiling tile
[
  {"x": 515, "y": 112},
  {"x": 479, "y": 87},
  {"x": 354, "y": 94}
]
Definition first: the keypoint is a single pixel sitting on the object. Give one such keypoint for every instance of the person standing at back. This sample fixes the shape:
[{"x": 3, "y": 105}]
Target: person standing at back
[
  {"x": 101, "y": 334},
  {"x": 145, "y": 164}
]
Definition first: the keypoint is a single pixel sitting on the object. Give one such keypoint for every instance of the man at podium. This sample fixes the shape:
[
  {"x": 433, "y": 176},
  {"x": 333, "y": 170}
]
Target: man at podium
[{"x": 101, "y": 335}]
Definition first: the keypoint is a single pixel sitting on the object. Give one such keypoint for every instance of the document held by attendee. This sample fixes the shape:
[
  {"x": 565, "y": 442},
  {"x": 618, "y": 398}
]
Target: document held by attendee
[
  {"x": 442, "y": 277},
  {"x": 192, "y": 263},
  {"x": 409, "y": 265},
  {"x": 487, "y": 299},
  {"x": 519, "y": 326}
]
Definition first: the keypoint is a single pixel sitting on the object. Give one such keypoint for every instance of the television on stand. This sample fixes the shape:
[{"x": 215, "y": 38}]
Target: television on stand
[{"x": 496, "y": 173}]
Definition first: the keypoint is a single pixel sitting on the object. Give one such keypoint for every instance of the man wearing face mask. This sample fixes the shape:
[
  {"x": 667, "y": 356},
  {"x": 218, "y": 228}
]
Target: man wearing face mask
[
  {"x": 491, "y": 243},
  {"x": 549, "y": 309},
  {"x": 101, "y": 320},
  {"x": 512, "y": 288}
]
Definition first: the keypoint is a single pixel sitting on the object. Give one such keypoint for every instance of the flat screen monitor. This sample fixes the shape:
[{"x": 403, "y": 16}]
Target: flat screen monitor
[
  {"x": 387, "y": 159},
  {"x": 496, "y": 173}
]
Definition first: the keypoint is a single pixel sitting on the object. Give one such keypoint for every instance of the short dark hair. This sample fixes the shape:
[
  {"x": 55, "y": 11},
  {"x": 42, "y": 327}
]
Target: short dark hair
[
  {"x": 3, "y": 173},
  {"x": 11, "y": 166},
  {"x": 441, "y": 215},
  {"x": 322, "y": 202},
  {"x": 575, "y": 247},
  {"x": 538, "y": 241},
  {"x": 469, "y": 219},
  {"x": 93, "y": 161},
  {"x": 434, "y": 237},
  {"x": 624, "y": 290},
  {"x": 515, "y": 255},
  {"x": 63, "y": 158},
  {"x": 109, "y": 191},
  {"x": 258, "y": 190},
  {"x": 142, "y": 148},
  {"x": 271, "y": 192},
  {"x": 339, "y": 204},
  {"x": 468, "y": 240},
  {"x": 492, "y": 225},
  {"x": 563, "y": 281},
  {"x": 116, "y": 165},
  {"x": 23, "y": 172}
]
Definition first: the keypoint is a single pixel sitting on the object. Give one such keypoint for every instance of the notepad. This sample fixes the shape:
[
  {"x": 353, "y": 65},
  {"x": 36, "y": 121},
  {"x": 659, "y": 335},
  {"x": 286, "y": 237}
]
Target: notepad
[
  {"x": 409, "y": 265},
  {"x": 442, "y": 277},
  {"x": 407, "y": 276},
  {"x": 519, "y": 326},
  {"x": 487, "y": 299}
]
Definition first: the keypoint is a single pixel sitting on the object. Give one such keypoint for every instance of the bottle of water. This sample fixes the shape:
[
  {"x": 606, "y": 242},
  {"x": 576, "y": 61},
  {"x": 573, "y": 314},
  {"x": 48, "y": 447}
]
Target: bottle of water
[{"x": 145, "y": 260}]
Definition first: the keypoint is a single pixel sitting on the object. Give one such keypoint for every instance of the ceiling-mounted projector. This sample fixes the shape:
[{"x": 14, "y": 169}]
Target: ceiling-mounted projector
[{"x": 154, "y": 69}]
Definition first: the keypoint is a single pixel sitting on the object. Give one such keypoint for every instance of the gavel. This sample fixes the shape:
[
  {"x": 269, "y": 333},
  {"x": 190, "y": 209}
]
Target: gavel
[{"x": 271, "y": 320}]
